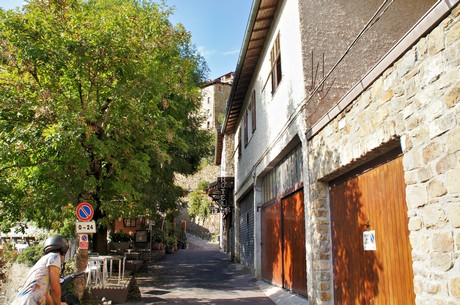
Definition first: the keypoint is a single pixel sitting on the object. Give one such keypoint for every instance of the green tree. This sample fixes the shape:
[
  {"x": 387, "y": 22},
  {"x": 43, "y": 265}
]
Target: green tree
[
  {"x": 98, "y": 103},
  {"x": 199, "y": 202}
]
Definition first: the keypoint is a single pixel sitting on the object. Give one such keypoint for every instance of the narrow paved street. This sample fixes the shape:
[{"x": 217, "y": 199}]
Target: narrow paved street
[{"x": 200, "y": 274}]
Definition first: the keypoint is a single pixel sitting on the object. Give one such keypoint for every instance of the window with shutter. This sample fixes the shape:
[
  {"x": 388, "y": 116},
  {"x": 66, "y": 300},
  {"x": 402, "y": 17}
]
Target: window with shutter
[{"x": 275, "y": 59}]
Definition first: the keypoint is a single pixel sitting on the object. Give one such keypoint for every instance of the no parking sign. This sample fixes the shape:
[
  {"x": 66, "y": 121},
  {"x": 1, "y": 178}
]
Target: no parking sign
[
  {"x": 84, "y": 211},
  {"x": 84, "y": 241}
]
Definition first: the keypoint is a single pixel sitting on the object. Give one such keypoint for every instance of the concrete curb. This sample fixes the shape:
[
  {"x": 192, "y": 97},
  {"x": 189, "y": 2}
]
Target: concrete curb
[{"x": 280, "y": 296}]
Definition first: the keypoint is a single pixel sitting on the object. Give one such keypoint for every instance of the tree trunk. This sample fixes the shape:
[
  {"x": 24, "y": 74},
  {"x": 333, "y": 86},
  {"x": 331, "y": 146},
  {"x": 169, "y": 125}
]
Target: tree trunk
[
  {"x": 81, "y": 262},
  {"x": 100, "y": 241},
  {"x": 100, "y": 237}
]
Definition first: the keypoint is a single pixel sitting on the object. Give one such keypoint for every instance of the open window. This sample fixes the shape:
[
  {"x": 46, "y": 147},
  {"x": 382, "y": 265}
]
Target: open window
[
  {"x": 275, "y": 60},
  {"x": 252, "y": 108}
]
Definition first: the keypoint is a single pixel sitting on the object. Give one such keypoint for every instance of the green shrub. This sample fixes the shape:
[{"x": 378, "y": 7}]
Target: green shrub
[
  {"x": 3, "y": 262},
  {"x": 30, "y": 255},
  {"x": 9, "y": 253},
  {"x": 120, "y": 236},
  {"x": 170, "y": 241},
  {"x": 199, "y": 202},
  {"x": 158, "y": 235}
]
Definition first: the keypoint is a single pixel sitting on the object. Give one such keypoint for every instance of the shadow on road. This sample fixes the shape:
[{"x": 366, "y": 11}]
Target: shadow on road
[{"x": 200, "y": 274}]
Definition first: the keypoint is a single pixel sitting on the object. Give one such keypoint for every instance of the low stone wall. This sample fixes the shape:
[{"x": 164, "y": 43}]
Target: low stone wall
[
  {"x": 416, "y": 103},
  {"x": 16, "y": 276}
]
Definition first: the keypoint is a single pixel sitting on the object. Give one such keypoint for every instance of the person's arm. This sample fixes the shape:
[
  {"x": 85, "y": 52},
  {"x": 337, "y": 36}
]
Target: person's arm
[
  {"x": 55, "y": 285},
  {"x": 49, "y": 300}
]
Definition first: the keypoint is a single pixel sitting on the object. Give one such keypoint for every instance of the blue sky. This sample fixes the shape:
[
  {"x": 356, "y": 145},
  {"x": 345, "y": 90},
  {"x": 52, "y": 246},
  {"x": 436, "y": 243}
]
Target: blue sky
[{"x": 217, "y": 28}]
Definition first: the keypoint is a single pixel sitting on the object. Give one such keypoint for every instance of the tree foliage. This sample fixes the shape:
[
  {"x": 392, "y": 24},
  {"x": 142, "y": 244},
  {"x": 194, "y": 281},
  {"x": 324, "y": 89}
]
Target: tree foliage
[
  {"x": 99, "y": 103},
  {"x": 199, "y": 202},
  {"x": 30, "y": 255}
]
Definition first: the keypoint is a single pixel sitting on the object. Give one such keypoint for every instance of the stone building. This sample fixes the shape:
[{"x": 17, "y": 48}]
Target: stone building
[
  {"x": 410, "y": 106},
  {"x": 267, "y": 128},
  {"x": 214, "y": 98},
  {"x": 346, "y": 155}
]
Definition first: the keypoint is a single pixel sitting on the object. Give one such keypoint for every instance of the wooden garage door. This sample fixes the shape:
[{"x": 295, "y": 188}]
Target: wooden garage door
[
  {"x": 272, "y": 265},
  {"x": 283, "y": 244},
  {"x": 294, "y": 252},
  {"x": 372, "y": 200}
]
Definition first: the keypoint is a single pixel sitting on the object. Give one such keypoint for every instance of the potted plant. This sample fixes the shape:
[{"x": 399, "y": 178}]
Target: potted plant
[
  {"x": 158, "y": 237},
  {"x": 170, "y": 244},
  {"x": 120, "y": 241},
  {"x": 182, "y": 240}
]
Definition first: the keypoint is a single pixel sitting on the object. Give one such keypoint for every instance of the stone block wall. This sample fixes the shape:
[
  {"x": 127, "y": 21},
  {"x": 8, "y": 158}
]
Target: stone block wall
[{"x": 414, "y": 104}]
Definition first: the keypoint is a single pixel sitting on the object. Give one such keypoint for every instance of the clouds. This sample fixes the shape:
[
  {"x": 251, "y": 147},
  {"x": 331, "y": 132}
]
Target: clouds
[
  {"x": 205, "y": 52},
  {"x": 231, "y": 52},
  {"x": 212, "y": 52},
  {"x": 220, "y": 62}
]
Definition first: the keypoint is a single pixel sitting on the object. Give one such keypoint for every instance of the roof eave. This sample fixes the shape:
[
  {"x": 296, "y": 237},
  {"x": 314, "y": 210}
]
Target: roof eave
[{"x": 239, "y": 66}]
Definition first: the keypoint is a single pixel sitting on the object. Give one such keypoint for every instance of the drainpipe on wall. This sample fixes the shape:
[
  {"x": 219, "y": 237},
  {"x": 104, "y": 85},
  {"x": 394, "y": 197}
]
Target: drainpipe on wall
[
  {"x": 221, "y": 231},
  {"x": 258, "y": 200},
  {"x": 236, "y": 228}
]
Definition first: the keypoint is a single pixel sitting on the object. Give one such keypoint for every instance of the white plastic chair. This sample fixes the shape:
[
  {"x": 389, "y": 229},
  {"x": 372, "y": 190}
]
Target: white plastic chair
[{"x": 93, "y": 269}]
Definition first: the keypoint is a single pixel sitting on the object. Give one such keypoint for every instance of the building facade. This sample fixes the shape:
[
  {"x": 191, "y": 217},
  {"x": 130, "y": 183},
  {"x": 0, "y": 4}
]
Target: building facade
[
  {"x": 346, "y": 151},
  {"x": 213, "y": 100},
  {"x": 387, "y": 164},
  {"x": 268, "y": 124}
]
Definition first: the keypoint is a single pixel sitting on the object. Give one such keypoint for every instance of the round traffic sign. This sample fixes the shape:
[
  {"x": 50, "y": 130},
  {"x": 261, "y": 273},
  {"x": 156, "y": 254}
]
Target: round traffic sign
[{"x": 84, "y": 211}]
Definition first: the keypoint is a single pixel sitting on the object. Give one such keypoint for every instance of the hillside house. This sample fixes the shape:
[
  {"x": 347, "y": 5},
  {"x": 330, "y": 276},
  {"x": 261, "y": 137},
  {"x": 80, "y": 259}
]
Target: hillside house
[{"x": 214, "y": 98}]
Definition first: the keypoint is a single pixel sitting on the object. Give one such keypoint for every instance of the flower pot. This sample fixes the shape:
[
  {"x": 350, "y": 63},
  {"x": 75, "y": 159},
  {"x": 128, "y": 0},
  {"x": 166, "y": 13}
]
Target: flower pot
[
  {"x": 120, "y": 246},
  {"x": 157, "y": 246}
]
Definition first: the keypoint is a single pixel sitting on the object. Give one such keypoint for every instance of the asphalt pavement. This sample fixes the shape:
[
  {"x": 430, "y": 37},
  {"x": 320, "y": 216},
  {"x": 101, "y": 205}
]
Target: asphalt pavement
[{"x": 201, "y": 274}]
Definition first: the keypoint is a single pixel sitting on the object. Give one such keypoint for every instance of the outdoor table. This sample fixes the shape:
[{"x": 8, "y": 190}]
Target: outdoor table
[
  {"x": 121, "y": 266},
  {"x": 131, "y": 255}
]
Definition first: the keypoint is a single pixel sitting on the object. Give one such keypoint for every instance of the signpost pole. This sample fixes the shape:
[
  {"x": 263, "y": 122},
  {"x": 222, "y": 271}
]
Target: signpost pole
[{"x": 83, "y": 226}]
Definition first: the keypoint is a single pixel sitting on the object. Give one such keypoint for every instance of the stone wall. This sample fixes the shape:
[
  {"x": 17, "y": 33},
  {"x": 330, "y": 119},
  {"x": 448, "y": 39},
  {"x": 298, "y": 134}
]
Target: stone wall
[
  {"x": 415, "y": 103},
  {"x": 326, "y": 23},
  {"x": 16, "y": 276},
  {"x": 200, "y": 228}
]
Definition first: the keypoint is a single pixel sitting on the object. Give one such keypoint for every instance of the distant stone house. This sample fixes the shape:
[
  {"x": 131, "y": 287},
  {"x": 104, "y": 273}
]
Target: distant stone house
[
  {"x": 345, "y": 120},
  {"x": 214, "y": 98}
]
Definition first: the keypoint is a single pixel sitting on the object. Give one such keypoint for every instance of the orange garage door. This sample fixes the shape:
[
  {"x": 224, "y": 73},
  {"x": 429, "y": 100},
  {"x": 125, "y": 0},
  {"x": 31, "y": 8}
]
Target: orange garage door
[{"x": 373, "y": 200}]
